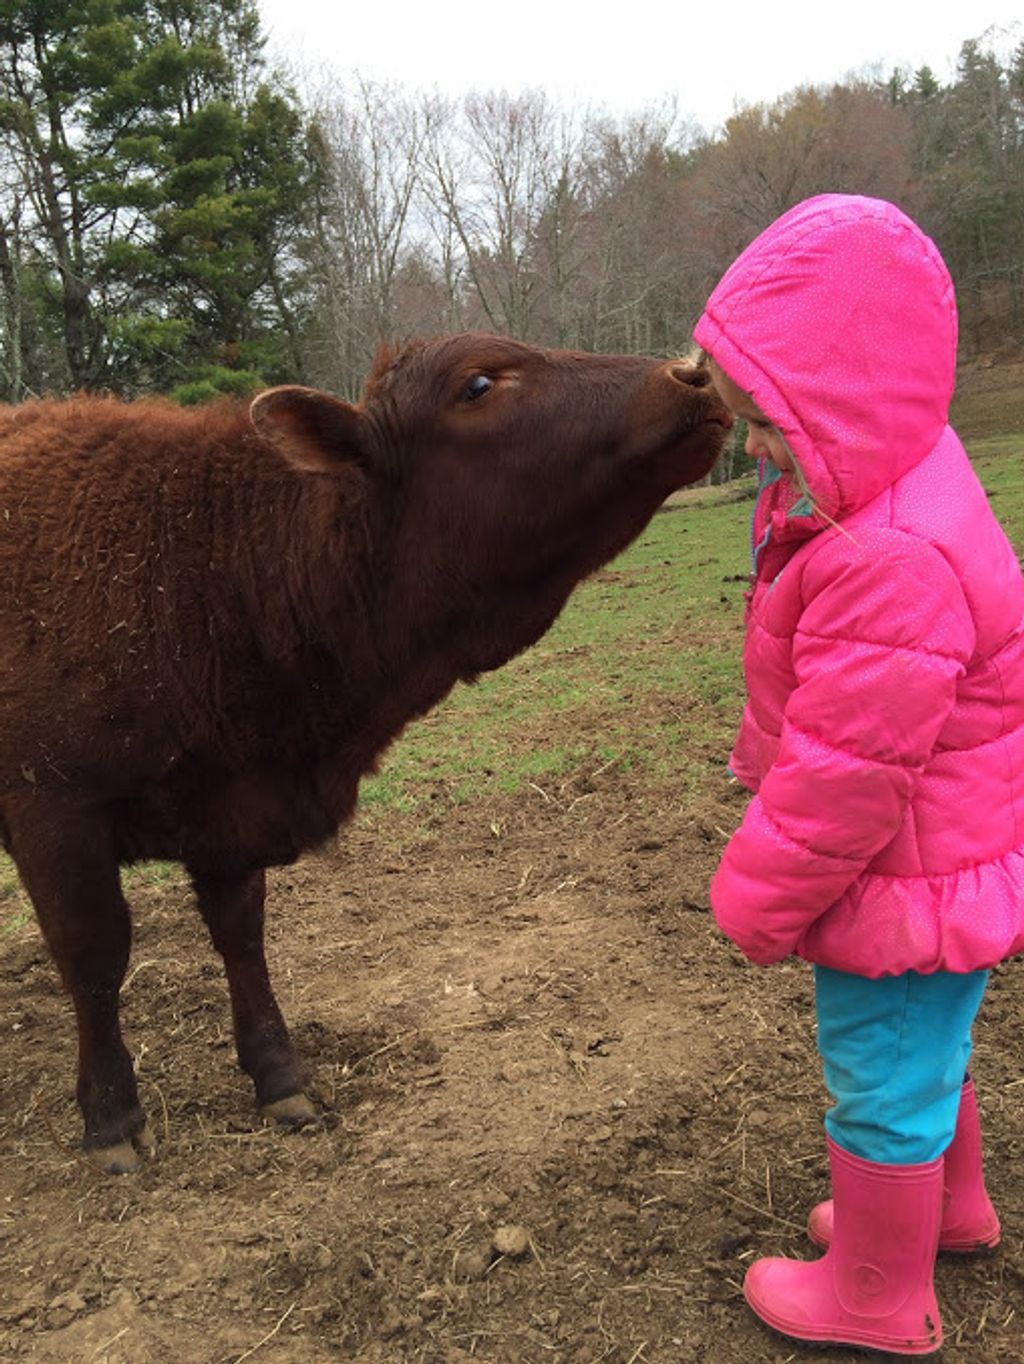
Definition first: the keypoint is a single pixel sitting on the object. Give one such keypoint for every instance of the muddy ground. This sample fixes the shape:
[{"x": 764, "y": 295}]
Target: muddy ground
[{"x": 517, "y": 1015}]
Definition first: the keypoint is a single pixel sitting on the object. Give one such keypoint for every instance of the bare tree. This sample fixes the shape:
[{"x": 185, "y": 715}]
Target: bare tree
[
  {"x": 370, "y": 150},
  {"x": 12, "y": 300},
  {"x": 446, "y": 171},
  {"x": 34, "y": 118},
  {"x": 498, "y": 173},
  {"x": 638, "y": 245}
]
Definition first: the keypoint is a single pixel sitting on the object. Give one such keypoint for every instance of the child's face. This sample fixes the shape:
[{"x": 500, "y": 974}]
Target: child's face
[{"x": 764, "y": 440}]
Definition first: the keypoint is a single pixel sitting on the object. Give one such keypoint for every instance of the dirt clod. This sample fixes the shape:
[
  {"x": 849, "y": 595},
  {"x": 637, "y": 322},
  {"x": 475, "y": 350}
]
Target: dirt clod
[
  {"x": 472, "y": 1264},
  {"x": 511, "y": 1240}
]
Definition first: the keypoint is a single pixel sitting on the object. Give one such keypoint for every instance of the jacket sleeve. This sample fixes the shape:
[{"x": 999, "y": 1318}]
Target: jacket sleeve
[{"x": 884, "y": 635}]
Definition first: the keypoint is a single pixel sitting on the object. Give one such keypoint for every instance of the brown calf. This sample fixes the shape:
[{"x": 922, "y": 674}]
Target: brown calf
[{"x": 213, "y": 622}]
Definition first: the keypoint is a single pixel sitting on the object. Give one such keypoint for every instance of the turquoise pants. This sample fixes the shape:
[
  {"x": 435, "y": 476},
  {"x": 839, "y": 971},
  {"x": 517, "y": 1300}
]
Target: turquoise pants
[{"x": 895, "y": 1053}]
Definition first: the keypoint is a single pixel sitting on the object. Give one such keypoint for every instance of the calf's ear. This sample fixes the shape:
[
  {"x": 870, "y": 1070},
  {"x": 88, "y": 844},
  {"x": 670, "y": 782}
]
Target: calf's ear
[{"x": 311, "y": 430}]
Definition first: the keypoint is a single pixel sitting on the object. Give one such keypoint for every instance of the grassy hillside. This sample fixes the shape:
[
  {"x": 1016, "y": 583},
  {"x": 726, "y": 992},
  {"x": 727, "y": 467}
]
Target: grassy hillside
[{"x": 989, "y": 400}]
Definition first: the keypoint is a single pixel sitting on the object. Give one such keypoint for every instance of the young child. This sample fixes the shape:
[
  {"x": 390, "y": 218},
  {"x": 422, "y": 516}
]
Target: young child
[{"x": 884, "y": 739}]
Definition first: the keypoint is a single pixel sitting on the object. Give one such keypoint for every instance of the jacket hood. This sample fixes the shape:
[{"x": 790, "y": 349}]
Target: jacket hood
[{"x": 840, "y": 321}]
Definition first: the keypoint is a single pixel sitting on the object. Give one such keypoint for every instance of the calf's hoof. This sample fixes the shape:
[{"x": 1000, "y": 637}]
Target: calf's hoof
[
  {"x": 124, "y": 1157},
  {"x": 294, "y": 1111}
]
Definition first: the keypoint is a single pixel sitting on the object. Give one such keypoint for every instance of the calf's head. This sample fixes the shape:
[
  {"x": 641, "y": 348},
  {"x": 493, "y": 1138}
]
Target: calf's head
[{"x": 499, "y": 474}]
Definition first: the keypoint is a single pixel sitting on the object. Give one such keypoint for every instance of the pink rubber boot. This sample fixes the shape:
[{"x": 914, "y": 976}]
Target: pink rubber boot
[
  {"x": 969, "y": 1221},
  {"x": 873, "y": 1287}
]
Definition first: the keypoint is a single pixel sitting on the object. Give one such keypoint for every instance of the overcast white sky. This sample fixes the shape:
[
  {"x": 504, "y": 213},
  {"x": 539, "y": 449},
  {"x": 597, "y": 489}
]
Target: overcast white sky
[{"x": 626, "y": 54}]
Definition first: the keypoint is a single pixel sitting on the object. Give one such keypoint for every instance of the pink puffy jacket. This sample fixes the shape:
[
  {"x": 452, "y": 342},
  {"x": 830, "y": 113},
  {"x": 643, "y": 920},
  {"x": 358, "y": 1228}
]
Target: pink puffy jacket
[{"x": 884, "y": 729}]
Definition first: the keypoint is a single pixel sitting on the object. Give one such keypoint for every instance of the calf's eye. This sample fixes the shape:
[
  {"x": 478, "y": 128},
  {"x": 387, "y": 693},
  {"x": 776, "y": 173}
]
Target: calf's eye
[{"x": 476, "y": 388}]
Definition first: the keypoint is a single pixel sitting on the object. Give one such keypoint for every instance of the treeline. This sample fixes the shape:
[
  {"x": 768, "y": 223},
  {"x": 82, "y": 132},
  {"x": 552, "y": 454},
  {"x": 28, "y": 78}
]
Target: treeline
[{"x": 175, "y": 217}]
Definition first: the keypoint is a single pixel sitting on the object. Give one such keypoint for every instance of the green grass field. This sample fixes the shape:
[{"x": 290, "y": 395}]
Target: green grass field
[{"x": 641, "y": 670}]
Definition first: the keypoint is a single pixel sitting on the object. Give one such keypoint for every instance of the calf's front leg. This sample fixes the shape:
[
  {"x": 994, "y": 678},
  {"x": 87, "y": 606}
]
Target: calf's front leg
[
  {"x": 67, "y": 865},
  {"x": 233, "y": 907}
]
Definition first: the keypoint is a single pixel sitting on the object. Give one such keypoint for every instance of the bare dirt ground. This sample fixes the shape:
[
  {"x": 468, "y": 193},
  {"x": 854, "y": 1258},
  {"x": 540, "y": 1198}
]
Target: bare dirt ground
[{"x": 519, "y": 1015}]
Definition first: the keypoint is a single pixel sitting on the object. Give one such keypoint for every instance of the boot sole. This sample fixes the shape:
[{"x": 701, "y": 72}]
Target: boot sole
[
  {"x": 980, "y": 1246},
  {"x": 977, "y": 1247},
  {"x": 899, "y": 1345}
]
